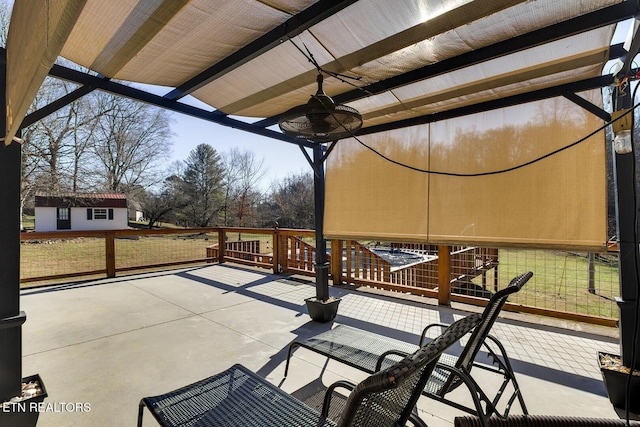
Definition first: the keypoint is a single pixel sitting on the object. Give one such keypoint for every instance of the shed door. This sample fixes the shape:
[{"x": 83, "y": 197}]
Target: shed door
[{"x": 64, "y": 219}]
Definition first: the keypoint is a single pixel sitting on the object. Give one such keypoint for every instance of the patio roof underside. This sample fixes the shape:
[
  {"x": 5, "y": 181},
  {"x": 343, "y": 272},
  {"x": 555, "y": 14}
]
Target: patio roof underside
[{"x": 404, "y": 62}]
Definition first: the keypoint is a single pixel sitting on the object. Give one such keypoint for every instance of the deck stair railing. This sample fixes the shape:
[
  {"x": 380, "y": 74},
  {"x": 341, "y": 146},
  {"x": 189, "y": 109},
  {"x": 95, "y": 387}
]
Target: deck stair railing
[
  {"x": 300, "y": 255},
  {"x": 246, "y": 250},
  {"x": 420, "y": 248},
  {"x": 362, "y": 265},
  {"x": 467, "y": 263},
  {"x": 422, "y": 275}
]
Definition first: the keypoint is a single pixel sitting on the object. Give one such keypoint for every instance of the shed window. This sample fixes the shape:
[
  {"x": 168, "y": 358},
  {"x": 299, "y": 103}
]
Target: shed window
[
  {"x": 99, "y": 213},
  {"x": 63, "y": 214}
]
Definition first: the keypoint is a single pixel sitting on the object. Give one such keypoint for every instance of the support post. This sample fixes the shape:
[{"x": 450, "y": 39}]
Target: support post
[
  {"x": 110, "y": 251},
  {"x": 275, "y": 244},
  {"x": 322, "y": 308},
  {"x": 336, "y": 261},
  {"x": 592, "y": 272},
  {"x": 626, "y": 200},
  {"x": 221, "y": 245},
  {"x": 321, "y": 267},
  {"x": 11, "y": 318}
]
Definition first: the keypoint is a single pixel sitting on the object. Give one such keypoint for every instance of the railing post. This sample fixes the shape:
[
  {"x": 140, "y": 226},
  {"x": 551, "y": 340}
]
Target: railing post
[
  {"x": 221, "y": 245},
  {"x": 110, "y": 253},
  {"x": 336, "y": 261},
  {"x": 592, "y": 272},
  {"x": 444, "y": 275},
  {"x": 283, "y": 252},
  {"x": 276, "y": 249}
]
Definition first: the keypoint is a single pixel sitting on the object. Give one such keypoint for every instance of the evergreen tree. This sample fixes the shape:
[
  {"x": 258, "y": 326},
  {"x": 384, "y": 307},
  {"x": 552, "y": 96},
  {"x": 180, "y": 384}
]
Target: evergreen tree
[{"x": 202, "y": 185}]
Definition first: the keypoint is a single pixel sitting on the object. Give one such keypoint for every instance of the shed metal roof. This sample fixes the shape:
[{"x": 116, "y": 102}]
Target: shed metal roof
[{"x": 93, "y": 200}]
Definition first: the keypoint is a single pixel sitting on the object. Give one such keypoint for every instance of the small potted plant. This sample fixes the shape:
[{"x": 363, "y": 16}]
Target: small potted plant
[
  {"x": 616, "y": 376},
  {"x": 322, "y": 310},
  {"x": 23, "y": 411}
]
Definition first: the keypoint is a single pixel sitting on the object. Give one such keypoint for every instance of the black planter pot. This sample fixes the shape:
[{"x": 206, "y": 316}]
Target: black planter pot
[
  {"x": 322, "y": 310},
  {"x": 26, "y": 412},
  {"x": 616, "y": 384}
]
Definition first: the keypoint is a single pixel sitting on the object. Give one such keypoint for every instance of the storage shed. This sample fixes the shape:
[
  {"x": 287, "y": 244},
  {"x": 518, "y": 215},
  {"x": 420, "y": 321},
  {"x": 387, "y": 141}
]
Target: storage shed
[{"x": 81, "y": 211}]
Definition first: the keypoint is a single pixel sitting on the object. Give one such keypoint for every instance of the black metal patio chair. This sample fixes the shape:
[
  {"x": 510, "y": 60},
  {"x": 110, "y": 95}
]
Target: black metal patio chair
[
  {"x": 370, "y": 352},
  {"x": 239, "y": 397}
]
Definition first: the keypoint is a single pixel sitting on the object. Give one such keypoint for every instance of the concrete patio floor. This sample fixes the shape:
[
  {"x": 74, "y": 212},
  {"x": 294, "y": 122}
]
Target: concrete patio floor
[{"x": 107, "y": 343}]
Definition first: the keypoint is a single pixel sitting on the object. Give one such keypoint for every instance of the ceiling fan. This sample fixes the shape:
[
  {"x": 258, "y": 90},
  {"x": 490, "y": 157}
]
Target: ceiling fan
[{"x": 320, "y": 119}]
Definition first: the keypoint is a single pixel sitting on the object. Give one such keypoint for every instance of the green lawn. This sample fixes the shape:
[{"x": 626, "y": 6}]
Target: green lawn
[{"x": 561, "y": 281}]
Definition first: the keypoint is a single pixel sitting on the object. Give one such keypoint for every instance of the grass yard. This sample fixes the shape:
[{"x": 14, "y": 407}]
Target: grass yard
[
  {"x": 68, "y": 256},
  {"x": 53, "y": 257},
  {"x": 162, "y": 249},
  {"x": 561, "y": 281}
]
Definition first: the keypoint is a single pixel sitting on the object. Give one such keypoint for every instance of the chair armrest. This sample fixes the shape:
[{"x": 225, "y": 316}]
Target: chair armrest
[
  {"x": 384, "y": 355},
  {"x": 329, "y": 393},
  {"x": 426, "y": 329}
]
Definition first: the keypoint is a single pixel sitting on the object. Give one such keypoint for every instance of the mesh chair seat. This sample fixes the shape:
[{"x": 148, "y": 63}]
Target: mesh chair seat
[
  {"x": 354, "y": 347},
  {"x": 235, "y": 397}
]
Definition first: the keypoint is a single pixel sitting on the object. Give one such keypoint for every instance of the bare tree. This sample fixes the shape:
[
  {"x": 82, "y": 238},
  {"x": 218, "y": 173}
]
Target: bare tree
[
  {"x": 55, "y": 146},
  {"x": 5, "y": 17},
  {"x": 292, "y": 202},
  {"x": 242, "y": 175},
  {"x": 160, "y": 206},
  {"x": 129, "y": 144},
  {"x": 58, "y": 140}
]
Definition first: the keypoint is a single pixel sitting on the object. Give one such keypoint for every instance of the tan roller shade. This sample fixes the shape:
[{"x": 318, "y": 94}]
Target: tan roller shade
[
  {"x": 558, "y": 201},
  {"x": 39, "y": 29},
  {"x": 369, "y": 197}
]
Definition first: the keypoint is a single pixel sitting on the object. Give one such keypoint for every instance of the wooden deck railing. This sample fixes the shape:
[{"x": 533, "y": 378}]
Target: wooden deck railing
[
  {"x": 243, "y": 252},
  {"x": 441, "y": 272}
]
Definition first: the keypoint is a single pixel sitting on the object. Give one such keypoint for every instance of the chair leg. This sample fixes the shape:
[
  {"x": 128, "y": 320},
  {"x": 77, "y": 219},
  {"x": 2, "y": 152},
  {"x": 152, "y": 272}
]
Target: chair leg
[
  {"x": 140, "y": 413},
  {"x": 291, "y": 347},
  {"x": 525, "y": 411}
]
